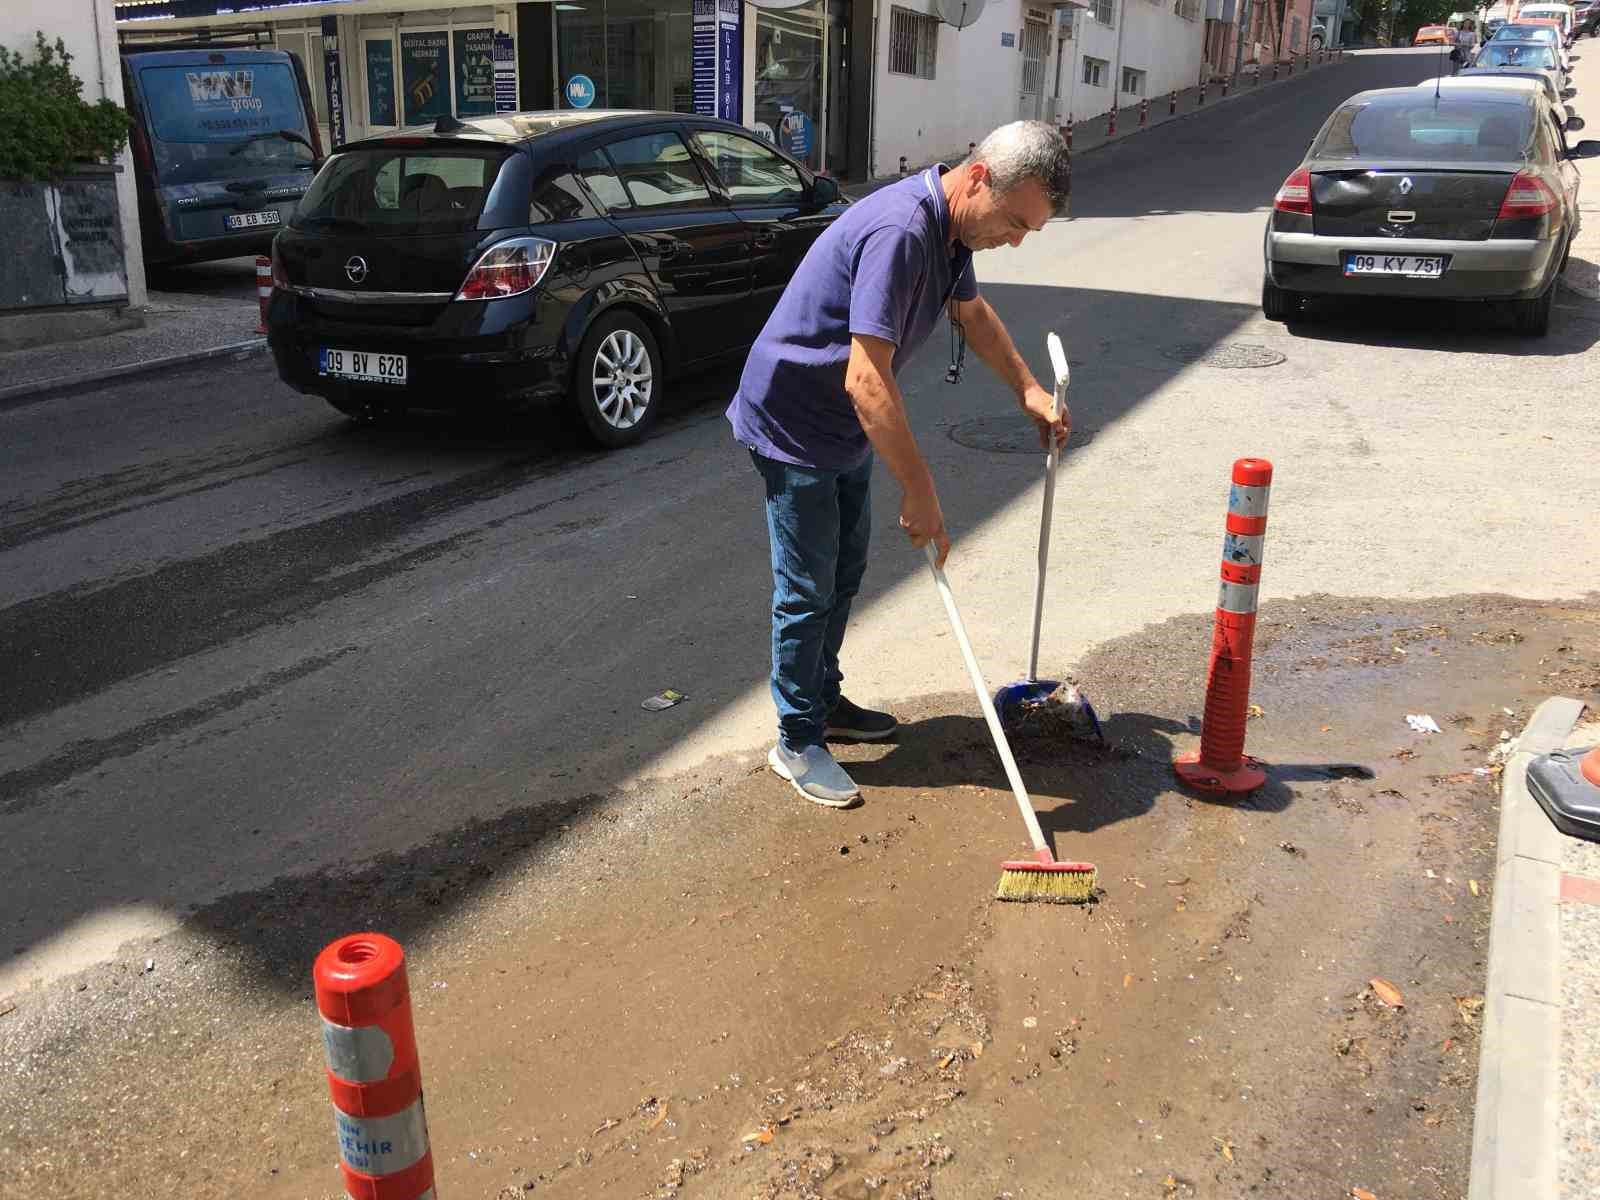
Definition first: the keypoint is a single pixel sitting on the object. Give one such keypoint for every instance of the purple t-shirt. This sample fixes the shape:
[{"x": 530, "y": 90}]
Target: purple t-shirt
[{"x": 885, "y": 269}]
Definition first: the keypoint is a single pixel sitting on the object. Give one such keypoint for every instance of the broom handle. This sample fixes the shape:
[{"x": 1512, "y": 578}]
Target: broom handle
[
  {"x": 1058, "y": 362},
  {"x": 1035, "y": 834}
]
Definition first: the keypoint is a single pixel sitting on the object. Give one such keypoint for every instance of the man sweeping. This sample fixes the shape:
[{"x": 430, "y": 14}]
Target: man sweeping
[{"x": 818, "y": 400}]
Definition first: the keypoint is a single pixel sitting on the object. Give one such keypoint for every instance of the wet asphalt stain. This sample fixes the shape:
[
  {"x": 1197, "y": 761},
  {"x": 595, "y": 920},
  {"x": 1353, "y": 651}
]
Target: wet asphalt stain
[
  {"x": 148, "y": 482},
  {"x": 23, "y": 789},
  {"x": 74, "y": 643}
]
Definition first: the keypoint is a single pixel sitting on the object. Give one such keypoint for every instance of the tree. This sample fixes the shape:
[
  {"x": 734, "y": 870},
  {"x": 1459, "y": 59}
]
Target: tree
[{"x": 48, "y": 124}]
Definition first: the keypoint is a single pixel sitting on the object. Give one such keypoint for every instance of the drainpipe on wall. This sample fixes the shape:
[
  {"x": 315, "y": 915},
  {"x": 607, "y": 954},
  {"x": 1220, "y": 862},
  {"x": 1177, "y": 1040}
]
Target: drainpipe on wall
[
  {"x": 872, "y": 108},
  {"x": 1116, "y": 69}
]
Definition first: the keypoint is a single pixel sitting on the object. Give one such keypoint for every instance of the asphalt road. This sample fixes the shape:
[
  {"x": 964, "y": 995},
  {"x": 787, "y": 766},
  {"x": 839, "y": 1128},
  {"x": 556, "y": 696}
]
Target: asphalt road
[{"x": 244, "y": 638}]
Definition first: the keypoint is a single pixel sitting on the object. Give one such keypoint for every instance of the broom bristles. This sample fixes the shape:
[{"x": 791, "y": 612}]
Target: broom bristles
[{"x": 1025, "y": 883}]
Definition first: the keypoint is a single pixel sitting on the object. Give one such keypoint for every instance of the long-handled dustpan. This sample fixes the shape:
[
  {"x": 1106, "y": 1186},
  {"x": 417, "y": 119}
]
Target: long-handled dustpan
[{"x": 1016, "y": 700}]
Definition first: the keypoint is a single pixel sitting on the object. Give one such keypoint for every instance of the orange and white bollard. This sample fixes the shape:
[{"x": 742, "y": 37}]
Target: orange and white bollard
[
  {"x": 373, "y": 1074},
  {"x": 1068, "y": 133},
  {"x": 1225, "y": 81},
  {"x": 1111, "y": 121},
  {"x": 263, "y": 289},
  {"x": 1172, "y": 103},
  {"x": 1221, "y": 765}
]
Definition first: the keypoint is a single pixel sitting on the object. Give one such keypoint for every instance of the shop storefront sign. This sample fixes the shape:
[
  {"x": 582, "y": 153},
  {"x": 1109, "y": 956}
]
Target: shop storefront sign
[
  {"x": 580, "y": 91},
  {"x": 380, "y": 84},
  {"x": 474, "y": 62},
  {"x": 795, "y": 134},
  {"x": 505, "y": 73},
  {"x": 424, "y": 64},
  {"x": 334, "y": 80},
  {"x": 716, "y": 59}
]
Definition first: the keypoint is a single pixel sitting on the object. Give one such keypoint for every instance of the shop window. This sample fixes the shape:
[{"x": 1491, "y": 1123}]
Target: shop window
[
  {"x": 1094, "y": 71},
  {"x": 913, "y": 43},
  {"x": 595, "y": 169},
  {"x": 789, "y": 69},
  {"x": 657, "y": 170},
  {"x": 635, "y": 53},
  {"x": 751, "y": 173}
]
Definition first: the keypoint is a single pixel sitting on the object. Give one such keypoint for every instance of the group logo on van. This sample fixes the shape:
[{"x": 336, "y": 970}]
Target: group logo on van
[{"x": 233, "y": 90}]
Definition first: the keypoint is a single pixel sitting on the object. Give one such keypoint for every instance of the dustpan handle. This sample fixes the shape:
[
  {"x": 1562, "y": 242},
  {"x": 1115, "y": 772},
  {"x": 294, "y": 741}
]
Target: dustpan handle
[
  {"x": 1035, "y": 834},
  {"x": 1058, "y": 364}
]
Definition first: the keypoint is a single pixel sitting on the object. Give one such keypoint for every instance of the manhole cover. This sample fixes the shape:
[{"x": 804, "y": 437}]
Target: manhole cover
[
  {"x": 1229, "y": 355},
  {"x": 1009, "y": 436}
]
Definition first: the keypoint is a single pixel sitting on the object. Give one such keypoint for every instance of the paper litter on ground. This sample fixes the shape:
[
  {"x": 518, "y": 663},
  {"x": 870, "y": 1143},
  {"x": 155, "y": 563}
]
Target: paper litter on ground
[{"x": 1422, "y": 723}]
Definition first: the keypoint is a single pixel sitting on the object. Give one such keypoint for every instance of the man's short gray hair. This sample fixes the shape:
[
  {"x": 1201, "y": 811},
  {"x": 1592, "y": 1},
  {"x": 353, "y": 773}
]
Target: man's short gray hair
[{"x": 1027, "y": 150}]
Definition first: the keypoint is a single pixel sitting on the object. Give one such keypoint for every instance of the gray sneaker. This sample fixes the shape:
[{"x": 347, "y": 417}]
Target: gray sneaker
[{"x": 815, "y": 776}]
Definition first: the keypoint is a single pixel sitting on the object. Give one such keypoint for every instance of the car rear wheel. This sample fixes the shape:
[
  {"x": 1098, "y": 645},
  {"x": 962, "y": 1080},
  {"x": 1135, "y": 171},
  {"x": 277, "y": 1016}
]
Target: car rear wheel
[
  {"x": 1278, "y": 304},
  {"x": 616, "y": 384},
  {"x": 1533, "y": 316}
]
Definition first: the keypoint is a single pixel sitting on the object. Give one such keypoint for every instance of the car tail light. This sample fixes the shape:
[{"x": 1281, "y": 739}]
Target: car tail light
[
  {"x": 1527, "y": 197},
  {"x": 508, "y": 269},
  {"x": 1295, "y": 194},
  {"x": 280, "y": 276}
]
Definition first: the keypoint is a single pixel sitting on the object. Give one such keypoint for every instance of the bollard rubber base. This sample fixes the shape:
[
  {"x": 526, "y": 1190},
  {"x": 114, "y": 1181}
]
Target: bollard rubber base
[{"x": 1247, "y": 777}]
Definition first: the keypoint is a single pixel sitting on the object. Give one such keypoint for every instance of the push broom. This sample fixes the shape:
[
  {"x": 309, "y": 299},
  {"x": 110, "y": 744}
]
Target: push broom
[
  {"x": 1015, "y": 701},
  {"x": 1043, "y": 878}
]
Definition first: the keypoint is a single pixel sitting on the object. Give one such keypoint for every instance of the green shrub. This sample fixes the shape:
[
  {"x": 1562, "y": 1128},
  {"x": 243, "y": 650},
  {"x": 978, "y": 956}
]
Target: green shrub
[{"x": 48, "y": 125}]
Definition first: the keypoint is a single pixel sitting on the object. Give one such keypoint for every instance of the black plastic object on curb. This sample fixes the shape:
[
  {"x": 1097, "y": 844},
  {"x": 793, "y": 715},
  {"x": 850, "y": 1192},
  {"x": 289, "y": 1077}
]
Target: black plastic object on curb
[{"x": 1571, "y": 802}]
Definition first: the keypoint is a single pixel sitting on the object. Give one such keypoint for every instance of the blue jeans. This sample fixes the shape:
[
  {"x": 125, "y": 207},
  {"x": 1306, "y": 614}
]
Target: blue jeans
[{"x": 818, "y": 523}]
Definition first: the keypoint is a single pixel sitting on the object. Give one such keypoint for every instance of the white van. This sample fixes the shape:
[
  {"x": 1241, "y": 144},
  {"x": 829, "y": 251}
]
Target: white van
[{"x": 1553, "y": 12}]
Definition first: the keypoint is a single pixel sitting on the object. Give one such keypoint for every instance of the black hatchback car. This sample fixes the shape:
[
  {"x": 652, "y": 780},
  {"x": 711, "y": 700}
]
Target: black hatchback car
[{"x": 537, "y": 256}]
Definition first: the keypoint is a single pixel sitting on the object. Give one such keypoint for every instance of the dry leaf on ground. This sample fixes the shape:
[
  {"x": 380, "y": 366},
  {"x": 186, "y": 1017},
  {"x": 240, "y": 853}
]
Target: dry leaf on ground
[
  {"x": 1224, "y": 1147},
  {"x": 763, "y": 1136},
  {"x": 1473, "y": 884},
  {"x": 1127, "y": 981},
  {"x": 1388, "y": 993},
  {"x": 1255, "y": 710},
  {"x": 660, "y": 1120},
  {"x": 1362, "y": 1194}
]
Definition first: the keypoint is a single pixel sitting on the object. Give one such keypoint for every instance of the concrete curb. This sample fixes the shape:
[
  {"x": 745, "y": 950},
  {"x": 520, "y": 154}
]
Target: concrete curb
[
  {"x": 24, "y": 393},
  {"x": 1516, "y": 1127}
]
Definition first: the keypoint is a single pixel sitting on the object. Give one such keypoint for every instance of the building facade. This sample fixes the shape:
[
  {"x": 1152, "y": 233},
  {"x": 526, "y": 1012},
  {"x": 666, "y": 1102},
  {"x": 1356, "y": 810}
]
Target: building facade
[{"x": 785, "y": 68}]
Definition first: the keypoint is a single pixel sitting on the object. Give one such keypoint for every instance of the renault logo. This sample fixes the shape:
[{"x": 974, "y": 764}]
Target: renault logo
[
  {"x": 1405, "y": 186},
  {"x": 356, "y": 268}
]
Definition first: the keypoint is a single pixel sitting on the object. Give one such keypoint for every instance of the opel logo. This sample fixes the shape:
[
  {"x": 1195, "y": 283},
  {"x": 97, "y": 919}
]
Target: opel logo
[
  {"x": 1405, "y": 190},
  {"x": 356, "y": 268}
]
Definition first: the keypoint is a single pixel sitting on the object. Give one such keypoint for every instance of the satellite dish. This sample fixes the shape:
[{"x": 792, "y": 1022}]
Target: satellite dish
[{"x": 959, "y": 13}]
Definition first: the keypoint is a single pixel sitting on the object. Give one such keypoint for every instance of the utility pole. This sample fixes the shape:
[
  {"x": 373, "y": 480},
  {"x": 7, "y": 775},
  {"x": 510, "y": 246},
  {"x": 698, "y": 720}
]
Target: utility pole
[{"x": 1121, "y": 9}]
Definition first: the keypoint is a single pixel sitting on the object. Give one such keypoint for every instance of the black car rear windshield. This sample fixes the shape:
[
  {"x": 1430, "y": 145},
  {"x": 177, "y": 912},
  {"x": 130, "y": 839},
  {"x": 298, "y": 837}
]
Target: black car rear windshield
[
  {"x": 1425, "y": 128},
  {"x": 400, "y": 189}
]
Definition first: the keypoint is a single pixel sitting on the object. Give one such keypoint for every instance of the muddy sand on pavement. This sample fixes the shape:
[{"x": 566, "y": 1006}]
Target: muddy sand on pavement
[{"x": 709, "y": 988}]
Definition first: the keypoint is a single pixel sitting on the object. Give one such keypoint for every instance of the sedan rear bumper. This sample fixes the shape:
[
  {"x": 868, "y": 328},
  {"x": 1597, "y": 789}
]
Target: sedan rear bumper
[
  {"x": 467, "y": 358},
  {"x": 1494, "y": 269}
]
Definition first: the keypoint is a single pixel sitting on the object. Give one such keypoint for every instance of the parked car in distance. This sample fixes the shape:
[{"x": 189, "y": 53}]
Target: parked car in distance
[
  {"x": 579, "y": 256},
  {"x": 1319, "y": 36},
  {"x": 1469, "y": 194},
  {"x": 1531, "y": 31},
  {"x": 223, "y": 147},
  {"x": 1434, "y": 35},
  {"x": 1526, "y": 82},
  {"x": 1561, "y": 14},
  {"x": 1533, "y": 60},
  {"x": 1585, "y": 18}
]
